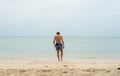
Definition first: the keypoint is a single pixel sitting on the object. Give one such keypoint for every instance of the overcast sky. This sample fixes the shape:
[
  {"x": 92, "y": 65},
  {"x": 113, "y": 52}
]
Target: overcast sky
[{"x": 70, "y": 17}]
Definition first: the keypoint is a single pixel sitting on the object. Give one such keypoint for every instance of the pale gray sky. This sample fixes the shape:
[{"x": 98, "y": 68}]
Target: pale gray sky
[{"x": 70, "y": 17}]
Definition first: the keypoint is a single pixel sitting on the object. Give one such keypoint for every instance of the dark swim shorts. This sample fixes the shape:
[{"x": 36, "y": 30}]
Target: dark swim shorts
[{"x": 58, "y": 46}]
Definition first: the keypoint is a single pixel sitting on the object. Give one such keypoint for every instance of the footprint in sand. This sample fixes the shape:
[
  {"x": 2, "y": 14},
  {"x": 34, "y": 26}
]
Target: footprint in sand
[
  {"x": 65, "y": 72},
  {"x": 118, "y": 68},
  {"x": 46, "y": 66},
  {"x": 46, "y": 70},
  {"x": 65, "y": 66}
]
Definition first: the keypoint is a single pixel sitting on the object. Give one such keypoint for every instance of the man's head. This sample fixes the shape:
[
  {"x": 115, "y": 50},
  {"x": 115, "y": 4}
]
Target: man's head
[{"x": 58, "y": 33}]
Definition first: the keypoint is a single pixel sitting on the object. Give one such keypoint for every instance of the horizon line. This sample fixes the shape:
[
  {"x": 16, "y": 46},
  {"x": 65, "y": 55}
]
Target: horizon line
[{"x": 50, "y": 36}]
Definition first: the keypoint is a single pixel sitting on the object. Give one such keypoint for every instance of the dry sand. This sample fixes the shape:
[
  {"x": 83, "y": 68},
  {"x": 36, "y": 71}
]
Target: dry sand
[{"x": 43, "y": 68}]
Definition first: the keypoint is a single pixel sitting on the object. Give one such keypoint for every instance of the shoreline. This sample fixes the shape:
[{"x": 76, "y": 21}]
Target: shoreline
[{"x": 65, "y": 59}]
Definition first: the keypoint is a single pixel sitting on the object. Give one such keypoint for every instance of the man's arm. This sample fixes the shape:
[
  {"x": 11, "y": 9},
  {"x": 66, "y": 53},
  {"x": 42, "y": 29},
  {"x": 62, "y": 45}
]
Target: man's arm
[
  {"x": 63, "y": 42},
  {"x": 54, "y": 42}
]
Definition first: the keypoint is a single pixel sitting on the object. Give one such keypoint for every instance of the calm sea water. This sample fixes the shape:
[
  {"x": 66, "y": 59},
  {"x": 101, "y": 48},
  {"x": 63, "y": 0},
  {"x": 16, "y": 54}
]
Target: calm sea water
[{"x": 74, "y": 47}]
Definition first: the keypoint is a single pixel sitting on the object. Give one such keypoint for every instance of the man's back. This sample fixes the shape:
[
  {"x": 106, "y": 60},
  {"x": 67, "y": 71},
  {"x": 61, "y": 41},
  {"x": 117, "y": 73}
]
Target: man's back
[{"x": 58, "y": 38}]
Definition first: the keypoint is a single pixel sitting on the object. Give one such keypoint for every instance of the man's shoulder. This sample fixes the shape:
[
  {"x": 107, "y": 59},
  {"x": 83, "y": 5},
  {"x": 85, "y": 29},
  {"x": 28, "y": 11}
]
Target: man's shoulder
[
  {"x": 55, "y": 36},
  {"x": 58, "y": 36}
]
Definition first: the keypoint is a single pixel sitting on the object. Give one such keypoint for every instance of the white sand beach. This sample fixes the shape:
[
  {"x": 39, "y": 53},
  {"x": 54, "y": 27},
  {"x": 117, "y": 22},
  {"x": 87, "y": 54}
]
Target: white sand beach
[{"x": 48, "y": 68}]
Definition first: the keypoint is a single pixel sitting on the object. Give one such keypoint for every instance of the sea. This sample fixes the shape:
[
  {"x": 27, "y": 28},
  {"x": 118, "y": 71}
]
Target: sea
[{"x": 76, "y": 48}]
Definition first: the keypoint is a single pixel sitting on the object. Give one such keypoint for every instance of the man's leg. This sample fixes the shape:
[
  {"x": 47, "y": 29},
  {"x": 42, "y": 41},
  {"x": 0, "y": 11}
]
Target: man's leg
[
  {"x": 61, "y": 54},
  {"x": 58, "y": 55}
]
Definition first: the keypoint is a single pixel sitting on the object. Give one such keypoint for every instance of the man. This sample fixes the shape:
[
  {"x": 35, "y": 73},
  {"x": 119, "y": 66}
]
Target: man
[{"x": 59, "y": 45}]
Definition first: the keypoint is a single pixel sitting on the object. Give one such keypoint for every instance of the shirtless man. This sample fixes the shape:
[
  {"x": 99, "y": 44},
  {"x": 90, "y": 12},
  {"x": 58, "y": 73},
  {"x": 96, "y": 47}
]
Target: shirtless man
[{"x": 59, "y": 45}]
